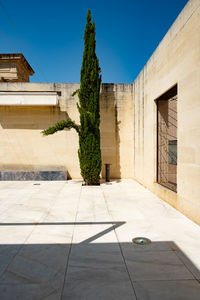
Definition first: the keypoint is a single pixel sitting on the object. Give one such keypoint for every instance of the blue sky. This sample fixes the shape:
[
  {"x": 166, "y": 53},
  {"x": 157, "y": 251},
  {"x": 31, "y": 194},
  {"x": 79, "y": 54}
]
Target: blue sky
[{"x": 50, "y": 35}]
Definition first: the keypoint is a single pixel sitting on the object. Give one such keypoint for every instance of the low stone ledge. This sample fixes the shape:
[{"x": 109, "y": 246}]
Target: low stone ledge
[{"x": 33, "y": 175}]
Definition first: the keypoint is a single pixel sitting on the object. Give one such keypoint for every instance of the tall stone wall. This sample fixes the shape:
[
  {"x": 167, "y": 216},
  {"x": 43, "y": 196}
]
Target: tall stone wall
[
  {"x": 117, "y": 129},
  {"x": 175, "y": 61}
]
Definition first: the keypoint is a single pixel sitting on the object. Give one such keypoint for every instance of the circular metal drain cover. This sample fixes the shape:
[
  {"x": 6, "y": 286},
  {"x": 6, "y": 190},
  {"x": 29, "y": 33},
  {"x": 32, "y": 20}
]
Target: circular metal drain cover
[{"x": 141, "y": 241}]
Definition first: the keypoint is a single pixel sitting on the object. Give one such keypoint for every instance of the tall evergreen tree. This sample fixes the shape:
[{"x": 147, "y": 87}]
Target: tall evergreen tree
[{"x": 89, "y": 134}]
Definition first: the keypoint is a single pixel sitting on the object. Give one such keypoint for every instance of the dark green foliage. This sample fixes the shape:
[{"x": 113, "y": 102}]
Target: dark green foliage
[
  {"x": 60, "y": 126},
  {"x": 89, "y": 134},
  {"x": 89, "y": 141}
]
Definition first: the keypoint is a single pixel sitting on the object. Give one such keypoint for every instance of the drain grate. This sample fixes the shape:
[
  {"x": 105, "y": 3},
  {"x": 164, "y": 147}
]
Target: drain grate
[{"x": 141, "y": 241}]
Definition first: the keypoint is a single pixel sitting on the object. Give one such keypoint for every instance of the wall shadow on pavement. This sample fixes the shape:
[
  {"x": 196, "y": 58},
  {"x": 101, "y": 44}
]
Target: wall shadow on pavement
[{"x": 92, "y": 269}]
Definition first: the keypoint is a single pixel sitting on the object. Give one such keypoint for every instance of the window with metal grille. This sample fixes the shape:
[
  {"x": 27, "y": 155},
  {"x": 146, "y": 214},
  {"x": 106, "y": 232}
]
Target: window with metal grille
[{"x": 167, "y": 139}]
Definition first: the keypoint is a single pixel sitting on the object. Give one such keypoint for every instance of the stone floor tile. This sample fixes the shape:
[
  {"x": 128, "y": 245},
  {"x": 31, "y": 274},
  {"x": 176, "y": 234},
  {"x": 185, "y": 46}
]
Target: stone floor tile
[
  {"x": 159, "y": 265},
  {"x": 99, "y": 284},
  {"x": 99, "y": 256},
  {"x": 20, "y": 291},
  {"x": 191, "y": 261},
  {"x": 167, "y": 290}
]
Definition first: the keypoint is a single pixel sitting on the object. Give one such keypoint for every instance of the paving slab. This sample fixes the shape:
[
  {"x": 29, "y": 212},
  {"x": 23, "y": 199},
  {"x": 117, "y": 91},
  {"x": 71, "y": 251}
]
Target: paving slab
[{"x": 167, "y": 290}]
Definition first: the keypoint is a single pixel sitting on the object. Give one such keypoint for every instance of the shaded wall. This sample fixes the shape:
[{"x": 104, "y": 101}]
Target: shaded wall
[{"x": 117, "y": 129}]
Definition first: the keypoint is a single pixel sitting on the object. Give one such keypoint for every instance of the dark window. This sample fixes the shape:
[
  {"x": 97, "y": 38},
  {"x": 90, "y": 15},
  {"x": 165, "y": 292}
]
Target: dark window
[
  {"x": 167, "y": 139},
  {"x": 172, "y": 152}
]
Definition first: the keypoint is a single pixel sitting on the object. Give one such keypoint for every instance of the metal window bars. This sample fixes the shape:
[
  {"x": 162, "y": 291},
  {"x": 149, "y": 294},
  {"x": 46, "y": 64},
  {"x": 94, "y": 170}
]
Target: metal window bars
[{"x": 167, "y": 142}]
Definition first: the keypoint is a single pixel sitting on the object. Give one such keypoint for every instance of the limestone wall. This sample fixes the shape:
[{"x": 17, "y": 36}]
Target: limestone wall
[
  {"x": 117, "y": 129},
  {"x": 22, "y": 147},
  {"x": 175, "y": 61}
]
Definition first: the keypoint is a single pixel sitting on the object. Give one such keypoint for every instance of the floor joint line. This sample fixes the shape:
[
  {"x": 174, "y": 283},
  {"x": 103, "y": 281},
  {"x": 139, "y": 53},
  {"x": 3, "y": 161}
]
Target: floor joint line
[
  {"x": 119, "y": 245},
  {"x": 67, "y": 264}
]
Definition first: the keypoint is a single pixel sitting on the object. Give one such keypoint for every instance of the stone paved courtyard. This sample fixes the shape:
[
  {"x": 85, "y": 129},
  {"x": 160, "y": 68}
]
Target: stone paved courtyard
[{"x": 62, "y": 240}]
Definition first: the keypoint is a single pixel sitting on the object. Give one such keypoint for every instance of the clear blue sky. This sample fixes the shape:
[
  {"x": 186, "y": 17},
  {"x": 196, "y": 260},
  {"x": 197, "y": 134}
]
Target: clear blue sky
[{"x": 50, "y": 35}]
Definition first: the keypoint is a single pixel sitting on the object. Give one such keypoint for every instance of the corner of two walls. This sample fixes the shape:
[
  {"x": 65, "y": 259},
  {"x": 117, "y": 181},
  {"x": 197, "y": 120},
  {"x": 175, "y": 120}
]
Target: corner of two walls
[{"x": 117, "y": 129}]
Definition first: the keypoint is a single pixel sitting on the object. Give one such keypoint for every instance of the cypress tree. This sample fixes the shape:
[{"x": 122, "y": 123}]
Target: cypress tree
[{"x": 89, "y": 134}]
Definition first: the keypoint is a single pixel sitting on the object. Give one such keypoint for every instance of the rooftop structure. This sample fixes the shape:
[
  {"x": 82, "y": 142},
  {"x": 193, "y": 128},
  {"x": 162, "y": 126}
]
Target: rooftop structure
[{"x": 14, "y": 68}]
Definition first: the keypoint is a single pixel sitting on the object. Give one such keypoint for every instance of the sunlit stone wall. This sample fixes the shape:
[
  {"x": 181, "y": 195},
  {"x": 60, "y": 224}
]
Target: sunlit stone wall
[
  {"x": 22, "y": 146},
  {"x": 175, "y": 61}
]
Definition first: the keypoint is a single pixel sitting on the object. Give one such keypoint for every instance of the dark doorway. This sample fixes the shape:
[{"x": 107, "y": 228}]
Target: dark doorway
[{"x": 167, "y": 139}]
